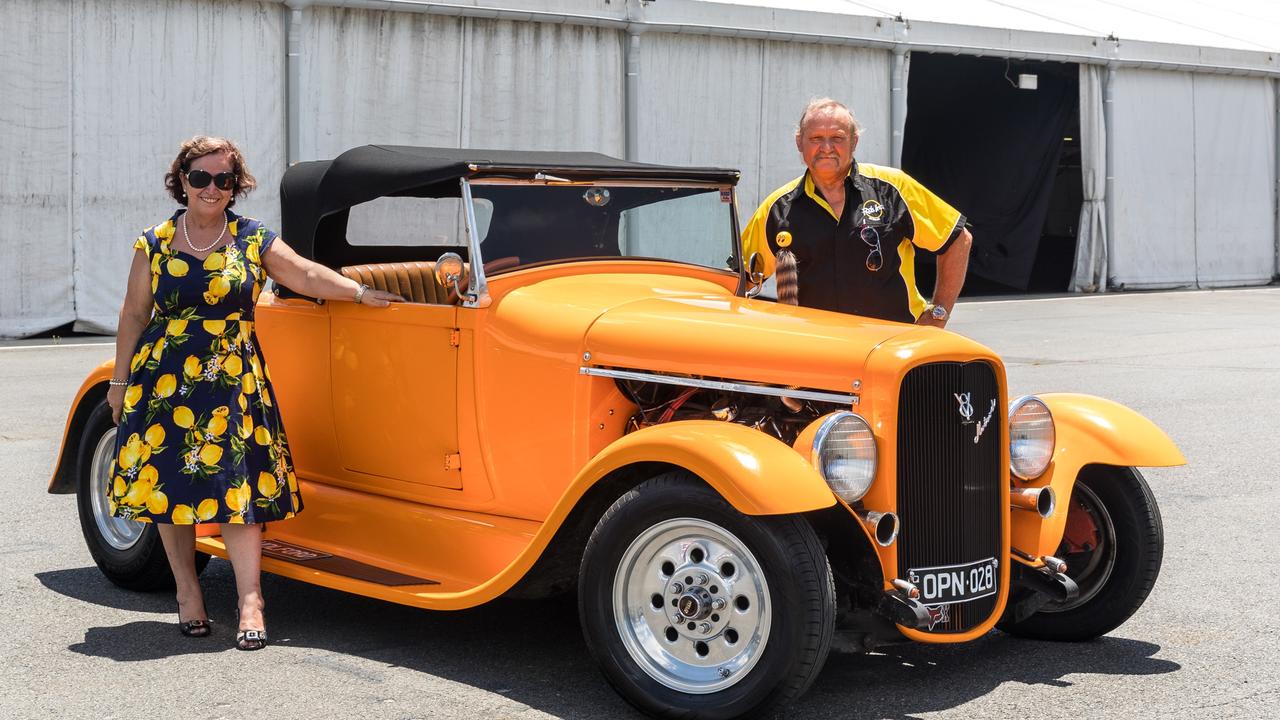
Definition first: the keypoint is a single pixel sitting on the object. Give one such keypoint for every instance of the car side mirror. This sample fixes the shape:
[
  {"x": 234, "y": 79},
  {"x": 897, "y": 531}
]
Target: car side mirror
[
  {"x": 755, "y": 274},
  {"x": 450, "y": 271}
]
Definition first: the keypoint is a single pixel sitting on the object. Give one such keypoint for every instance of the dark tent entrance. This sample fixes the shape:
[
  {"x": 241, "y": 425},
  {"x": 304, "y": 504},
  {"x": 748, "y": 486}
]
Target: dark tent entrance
[{"x": 1008, "y": 157}]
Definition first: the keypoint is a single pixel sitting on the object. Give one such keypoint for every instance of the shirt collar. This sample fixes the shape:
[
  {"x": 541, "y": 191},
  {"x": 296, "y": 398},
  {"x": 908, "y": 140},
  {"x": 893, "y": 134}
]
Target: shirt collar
[{"x": 812, "y": 191}]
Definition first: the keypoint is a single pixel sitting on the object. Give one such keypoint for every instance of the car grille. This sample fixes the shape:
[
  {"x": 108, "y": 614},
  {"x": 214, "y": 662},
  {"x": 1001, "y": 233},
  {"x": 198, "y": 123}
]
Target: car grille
[{"x": 948, "y": 485}]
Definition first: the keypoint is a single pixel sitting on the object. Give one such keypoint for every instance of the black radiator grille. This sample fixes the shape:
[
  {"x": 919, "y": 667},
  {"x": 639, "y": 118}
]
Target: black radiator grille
[{"x": 949, "y": 485}]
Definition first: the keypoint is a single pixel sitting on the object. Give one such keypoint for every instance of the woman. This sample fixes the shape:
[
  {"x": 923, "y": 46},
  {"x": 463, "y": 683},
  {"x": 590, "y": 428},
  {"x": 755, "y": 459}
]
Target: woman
[{"x": 200, "y": 437}]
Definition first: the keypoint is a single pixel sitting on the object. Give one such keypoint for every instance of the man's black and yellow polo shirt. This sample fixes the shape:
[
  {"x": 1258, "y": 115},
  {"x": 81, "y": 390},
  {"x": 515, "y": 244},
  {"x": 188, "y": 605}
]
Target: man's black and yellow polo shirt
[{"x": 834, "y": 254}]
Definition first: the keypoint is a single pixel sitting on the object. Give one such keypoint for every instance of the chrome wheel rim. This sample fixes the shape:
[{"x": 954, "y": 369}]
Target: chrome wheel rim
[
  {"x": 1102, "y": 561},
  {"x": 119, "y": 533},
  {"x": 691, "y": 605}
]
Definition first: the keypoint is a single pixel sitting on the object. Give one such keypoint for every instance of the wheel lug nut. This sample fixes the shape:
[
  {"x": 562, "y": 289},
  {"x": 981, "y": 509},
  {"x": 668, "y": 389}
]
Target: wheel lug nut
[
  {"x": 701, "y": 579},
  {"x": 677, "y": 618},
  {"x": 718, "y": 604},
  {"x": 705, "y": 628},
  {"x": 677, "y": 588}
]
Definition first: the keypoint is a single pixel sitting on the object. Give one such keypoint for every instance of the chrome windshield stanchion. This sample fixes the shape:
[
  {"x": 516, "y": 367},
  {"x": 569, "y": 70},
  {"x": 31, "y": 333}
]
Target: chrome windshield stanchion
[{"x": 478, "y": 291}]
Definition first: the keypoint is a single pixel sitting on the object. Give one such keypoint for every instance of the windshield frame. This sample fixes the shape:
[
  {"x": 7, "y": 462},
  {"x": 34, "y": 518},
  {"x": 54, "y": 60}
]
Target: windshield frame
[{"x": 477, "y": 295}]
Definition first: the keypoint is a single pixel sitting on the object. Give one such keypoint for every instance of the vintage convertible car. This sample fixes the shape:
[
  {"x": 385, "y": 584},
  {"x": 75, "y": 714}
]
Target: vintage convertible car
[{"x": 587, "y": 390}]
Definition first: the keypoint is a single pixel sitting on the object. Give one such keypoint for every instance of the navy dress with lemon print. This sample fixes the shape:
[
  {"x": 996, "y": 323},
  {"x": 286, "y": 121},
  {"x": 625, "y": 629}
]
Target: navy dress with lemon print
[{"x": 200, "y": 438}]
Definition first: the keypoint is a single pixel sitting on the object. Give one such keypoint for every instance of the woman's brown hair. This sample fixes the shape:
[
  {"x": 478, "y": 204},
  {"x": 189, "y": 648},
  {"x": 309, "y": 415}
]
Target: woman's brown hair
[{"x": 198, "y": 147}]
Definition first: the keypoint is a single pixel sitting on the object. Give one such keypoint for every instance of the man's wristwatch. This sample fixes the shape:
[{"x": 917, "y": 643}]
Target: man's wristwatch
[{"x": 937, "y": 312}]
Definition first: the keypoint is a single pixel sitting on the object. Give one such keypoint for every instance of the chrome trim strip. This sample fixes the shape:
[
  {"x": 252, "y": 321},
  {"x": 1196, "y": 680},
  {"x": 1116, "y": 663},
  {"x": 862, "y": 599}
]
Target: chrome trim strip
[{"x": 814, "y": 395}]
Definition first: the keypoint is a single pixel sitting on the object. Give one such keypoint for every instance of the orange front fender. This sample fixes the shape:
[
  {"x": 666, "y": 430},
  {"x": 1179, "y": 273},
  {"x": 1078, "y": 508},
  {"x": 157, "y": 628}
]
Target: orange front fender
[
  {"x": 1090, "y": 430},
  {"x": 755, "y": 472}
]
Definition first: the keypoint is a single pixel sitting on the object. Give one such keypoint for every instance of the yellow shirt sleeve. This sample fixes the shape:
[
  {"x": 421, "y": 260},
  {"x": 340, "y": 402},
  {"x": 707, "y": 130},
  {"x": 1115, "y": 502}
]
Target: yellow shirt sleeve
[
  {"x": 754, "y": 239},
  {"x": 935, "y": 221}
]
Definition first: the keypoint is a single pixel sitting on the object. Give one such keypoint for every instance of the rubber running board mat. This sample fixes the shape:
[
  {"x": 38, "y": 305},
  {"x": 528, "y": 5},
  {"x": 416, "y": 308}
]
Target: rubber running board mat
[{"x": 338, "y": 565}]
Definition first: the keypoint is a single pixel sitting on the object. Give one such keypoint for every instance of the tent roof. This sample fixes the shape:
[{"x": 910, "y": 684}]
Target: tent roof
[{"x": 1252, "y": 25}]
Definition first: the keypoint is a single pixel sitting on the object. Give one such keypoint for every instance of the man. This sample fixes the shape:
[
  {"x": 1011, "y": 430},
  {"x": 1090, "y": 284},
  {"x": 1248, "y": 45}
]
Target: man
[{"x": 854, "y": 228}]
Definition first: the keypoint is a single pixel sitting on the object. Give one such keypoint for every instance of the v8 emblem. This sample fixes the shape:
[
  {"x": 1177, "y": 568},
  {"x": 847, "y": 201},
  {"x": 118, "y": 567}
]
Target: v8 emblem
[{"x": 966, "y": 407}]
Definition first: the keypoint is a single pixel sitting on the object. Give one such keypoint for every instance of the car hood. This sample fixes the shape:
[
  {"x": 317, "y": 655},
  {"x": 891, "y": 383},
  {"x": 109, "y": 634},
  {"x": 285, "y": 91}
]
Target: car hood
[{"x": 692, "y": 326}]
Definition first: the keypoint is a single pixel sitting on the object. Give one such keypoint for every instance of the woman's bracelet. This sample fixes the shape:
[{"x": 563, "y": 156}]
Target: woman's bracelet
[
  {"x": 360, "y": 291},
  {"x": 118, "y": 383}
]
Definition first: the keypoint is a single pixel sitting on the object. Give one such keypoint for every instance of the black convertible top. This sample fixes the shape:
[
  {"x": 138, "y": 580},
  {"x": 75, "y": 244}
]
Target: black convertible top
[{"x": 312, "y": 191}]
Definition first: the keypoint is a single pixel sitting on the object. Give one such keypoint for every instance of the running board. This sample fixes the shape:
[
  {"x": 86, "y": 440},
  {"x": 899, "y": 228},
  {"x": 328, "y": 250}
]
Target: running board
[
  {"x": 347, "y": 574},
  {"x": 337, "y": 565}
]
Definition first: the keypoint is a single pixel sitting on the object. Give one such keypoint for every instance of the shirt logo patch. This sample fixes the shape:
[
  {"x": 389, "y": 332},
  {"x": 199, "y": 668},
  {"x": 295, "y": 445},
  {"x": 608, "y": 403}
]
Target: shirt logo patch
[{"x": 872, "y": 210}]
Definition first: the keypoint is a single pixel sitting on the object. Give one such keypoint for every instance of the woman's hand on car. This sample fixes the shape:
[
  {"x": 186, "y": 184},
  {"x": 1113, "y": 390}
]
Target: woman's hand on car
[{"x": 115, "y": 398}]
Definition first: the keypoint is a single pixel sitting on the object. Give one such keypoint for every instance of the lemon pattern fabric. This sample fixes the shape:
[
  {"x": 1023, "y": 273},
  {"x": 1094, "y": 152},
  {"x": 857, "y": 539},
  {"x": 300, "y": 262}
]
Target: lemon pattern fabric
[{"x": 200, "y": 438}]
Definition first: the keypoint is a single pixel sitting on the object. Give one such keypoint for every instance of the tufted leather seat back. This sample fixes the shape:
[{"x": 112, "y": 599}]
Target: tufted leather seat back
[{"x": 414, "y": 281}]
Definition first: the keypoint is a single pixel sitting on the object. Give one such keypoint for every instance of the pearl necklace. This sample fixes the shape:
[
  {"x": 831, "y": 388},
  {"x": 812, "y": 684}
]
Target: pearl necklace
[{"x": 211, "y": 245}]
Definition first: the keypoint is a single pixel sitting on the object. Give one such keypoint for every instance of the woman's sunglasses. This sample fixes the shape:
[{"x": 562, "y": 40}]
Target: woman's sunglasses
[
  {"x": 875, "y": 259},
  {"x": 200, "y": 179}
]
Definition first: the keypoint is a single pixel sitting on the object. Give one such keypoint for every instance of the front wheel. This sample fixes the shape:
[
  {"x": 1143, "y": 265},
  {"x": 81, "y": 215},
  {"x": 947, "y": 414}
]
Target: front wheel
[
  {"x": 128, "y": 552},
  {"x": 1113, "y": 546},
  {"x": 694, "y": 610}
]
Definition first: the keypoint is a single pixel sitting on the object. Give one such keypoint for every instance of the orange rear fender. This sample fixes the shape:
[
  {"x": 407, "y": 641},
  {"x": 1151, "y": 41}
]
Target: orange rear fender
[
  {"x": 92, "y": 390},
  {"x": 1090, "y": 430}
]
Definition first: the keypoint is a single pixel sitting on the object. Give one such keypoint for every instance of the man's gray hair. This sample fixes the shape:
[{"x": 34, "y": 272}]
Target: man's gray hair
[{"x": 825, "y": 103}]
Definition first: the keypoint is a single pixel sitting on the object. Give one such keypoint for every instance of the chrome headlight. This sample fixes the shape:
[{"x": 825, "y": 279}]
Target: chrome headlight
[
  {"x": 1031, "y": 437},
  {"x": 844, "y": 451}
]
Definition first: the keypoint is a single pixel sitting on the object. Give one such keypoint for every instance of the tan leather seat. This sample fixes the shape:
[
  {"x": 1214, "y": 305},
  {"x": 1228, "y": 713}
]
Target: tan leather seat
[{"x": 414, "y": 281}]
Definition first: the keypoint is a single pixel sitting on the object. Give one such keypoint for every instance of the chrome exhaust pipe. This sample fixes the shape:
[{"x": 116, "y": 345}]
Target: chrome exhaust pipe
[
  {"x": 1054, "y": 564},
  {"x": 884, "y": 526},
  {"x": 1040, "y": 500},
  {"x": 906, "y": 588}
]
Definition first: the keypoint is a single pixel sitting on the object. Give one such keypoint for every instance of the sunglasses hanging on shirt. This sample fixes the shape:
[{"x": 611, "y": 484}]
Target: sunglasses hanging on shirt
[
  {"x": 875, "y": 258},
  {"x": 199, "y": 179}
]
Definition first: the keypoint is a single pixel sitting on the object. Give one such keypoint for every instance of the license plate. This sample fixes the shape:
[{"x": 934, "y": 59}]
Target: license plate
[{"x": 949, "y": 584}]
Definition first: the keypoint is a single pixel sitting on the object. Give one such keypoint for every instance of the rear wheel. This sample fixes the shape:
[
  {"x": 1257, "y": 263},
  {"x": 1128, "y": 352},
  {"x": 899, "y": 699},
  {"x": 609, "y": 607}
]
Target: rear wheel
[
  {"x": 1113, "y": 547},
  {"x": 129, "y": 553},
  {"x": 694, "y": 610}
]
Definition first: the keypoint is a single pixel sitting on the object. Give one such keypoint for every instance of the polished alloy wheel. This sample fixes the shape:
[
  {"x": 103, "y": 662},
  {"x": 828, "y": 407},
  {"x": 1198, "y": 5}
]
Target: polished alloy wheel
[
  {"x": 691, "y": 605},
  {"x": 1101, "y": 561},
  {"x": 118, "y": 533}
]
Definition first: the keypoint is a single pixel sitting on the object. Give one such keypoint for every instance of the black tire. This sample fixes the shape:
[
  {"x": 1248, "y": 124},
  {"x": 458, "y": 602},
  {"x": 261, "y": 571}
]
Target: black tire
[
  {"x": 786, "y": 627},
  {"x": 134, "y": 562},
  {"x": 1116, "y": 577}
]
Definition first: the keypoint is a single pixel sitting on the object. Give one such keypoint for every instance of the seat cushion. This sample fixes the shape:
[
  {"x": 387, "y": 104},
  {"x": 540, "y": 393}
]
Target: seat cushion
[{"x": 414, "y": 281}]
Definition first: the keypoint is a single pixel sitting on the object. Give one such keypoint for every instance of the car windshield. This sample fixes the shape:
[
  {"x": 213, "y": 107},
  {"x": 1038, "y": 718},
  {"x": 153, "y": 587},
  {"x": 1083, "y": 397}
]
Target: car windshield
[{"x": 555, "y": 223}]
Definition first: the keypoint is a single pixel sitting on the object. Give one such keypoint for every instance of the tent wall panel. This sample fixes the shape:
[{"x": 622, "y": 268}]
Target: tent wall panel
[
  {"x": 145, "y": 80},
  {"x": 1195, "y": 178},
  {"x": 381, "y": 77},
  {"x": 735, "y": 102},
  {"x": 1235, "y": 180},
  {"x": 35, "y": 189},
  {"x": 1155, "y": 185}
]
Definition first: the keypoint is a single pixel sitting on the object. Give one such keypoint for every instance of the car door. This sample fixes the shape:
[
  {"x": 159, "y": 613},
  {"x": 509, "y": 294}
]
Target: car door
[{"x": 394, "y": 389}]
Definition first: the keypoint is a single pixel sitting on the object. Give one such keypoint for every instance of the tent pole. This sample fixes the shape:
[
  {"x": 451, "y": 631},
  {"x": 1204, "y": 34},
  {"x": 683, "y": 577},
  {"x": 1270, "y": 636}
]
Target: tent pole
[
  {"x": 1108, "y": 123},
  {"x": 293, "y": 82},
  {"x": 631, "y": 101},
  {"x": 897, "y": 105}
]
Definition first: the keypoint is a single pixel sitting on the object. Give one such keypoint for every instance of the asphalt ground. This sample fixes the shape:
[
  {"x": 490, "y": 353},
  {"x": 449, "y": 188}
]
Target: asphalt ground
[{"x": 1204, "y": 365}]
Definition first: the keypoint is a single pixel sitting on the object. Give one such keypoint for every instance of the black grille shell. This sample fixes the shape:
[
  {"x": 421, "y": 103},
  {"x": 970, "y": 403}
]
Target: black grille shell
[{"x": 949, "y": 487}]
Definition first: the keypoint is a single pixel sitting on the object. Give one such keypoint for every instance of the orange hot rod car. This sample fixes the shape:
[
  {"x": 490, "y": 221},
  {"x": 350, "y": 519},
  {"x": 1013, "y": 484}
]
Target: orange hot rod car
[{"x": 586, "y": 390}]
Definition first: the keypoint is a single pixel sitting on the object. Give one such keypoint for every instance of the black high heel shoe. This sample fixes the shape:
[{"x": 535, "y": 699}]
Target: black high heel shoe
[
  {"x": 250, "y": 639},
  {"x": 195, "y": 628}
]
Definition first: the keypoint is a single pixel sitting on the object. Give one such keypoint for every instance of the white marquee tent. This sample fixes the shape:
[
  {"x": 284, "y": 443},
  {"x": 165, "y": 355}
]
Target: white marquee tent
[{"x": 1180, "y": 167}]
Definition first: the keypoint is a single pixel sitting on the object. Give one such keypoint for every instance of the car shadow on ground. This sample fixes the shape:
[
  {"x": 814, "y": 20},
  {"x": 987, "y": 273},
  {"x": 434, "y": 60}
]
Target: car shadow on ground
[{"x": 533, "y": 653}]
